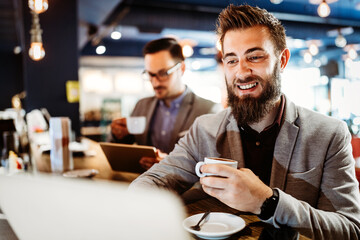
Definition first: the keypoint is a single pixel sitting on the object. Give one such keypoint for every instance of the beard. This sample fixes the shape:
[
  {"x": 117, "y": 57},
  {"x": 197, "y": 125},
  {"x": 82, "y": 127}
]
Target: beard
[{"x": 248, "y": 109}]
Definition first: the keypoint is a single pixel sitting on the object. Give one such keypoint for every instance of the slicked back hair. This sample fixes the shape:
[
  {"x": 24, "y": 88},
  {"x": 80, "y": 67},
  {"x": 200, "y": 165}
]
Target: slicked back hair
[
  {"x": 245, "y": 16},
  {"x": 169, "y": 44}
]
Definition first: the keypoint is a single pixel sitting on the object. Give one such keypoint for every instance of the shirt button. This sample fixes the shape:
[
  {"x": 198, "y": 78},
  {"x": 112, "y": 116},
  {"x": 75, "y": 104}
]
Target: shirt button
[
  {"x": 167, "y": 113},
  {"x": 257, "y": 143},
  {"x": 177, "y": 105},
  {"x": 163, "y": 132}
]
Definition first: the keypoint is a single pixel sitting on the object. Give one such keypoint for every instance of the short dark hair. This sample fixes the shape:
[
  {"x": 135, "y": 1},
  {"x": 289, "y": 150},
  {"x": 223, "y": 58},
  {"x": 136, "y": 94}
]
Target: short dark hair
[
  {"x": 169, "y": 44},
  {"x": 245, "y": 16}
]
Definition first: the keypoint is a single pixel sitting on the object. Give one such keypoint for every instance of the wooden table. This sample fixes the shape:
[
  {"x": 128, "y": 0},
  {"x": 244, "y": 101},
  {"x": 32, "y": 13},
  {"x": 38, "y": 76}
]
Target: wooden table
[
  {"x": 97, "y": 161},
  {"x": 255, "y": 229}
]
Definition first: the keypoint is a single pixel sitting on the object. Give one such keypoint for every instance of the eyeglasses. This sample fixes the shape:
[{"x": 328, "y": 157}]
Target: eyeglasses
[{"x": 162, "y": 75}]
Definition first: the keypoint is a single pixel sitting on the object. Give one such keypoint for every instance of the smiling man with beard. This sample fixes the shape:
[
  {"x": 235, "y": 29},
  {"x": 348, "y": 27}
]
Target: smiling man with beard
[
  {"x": 296, "y": 167},
  {"x": 173, "y": 109}
]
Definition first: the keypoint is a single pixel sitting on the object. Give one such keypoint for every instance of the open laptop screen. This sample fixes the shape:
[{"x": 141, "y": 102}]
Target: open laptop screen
[{"x": 43, "y": 207}]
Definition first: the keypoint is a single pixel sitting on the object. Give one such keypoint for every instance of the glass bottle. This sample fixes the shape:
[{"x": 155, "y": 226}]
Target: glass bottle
[{"x": 11, "y": 143}]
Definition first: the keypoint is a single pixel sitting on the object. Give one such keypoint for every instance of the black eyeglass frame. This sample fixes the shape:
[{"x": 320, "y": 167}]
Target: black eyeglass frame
[{"x": 162, "y": 75}]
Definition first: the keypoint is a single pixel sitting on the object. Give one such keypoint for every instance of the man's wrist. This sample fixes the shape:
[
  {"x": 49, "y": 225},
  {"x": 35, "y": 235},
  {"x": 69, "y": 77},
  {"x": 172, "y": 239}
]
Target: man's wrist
[{"x": 269, "y": 206}]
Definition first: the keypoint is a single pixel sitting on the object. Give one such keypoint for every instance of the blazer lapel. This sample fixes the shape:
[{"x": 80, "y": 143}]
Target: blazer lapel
[
  {"x": 228, "y": 143},
  {"x": 284, "y": 147},
  {"x": 149, "y": 115}
]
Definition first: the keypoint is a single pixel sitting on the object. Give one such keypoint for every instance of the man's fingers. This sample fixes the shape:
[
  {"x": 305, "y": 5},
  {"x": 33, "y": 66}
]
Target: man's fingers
[
  {"x": 214, "y": 192},
  {"x": 218, "y": 169},
  {"x": 214, "y": 182},
  {"x": 119, "y": 121}
]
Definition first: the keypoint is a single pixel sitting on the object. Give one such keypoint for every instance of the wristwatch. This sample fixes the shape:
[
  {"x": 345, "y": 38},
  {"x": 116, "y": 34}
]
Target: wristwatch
[{"x": 269, "y": 206}]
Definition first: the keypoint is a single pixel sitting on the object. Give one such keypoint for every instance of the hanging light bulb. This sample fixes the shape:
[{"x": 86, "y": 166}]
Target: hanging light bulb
[
  {"x": 352, "y": 53},
  {"x": 36, "y": 51},
  {"x": 307, "y": 57},
  {"x": 38, "y": 6},
  {"x": 340, "y": 41},
  {"x": 323, "y": 9},
  {"x": 313, "y": 49}
]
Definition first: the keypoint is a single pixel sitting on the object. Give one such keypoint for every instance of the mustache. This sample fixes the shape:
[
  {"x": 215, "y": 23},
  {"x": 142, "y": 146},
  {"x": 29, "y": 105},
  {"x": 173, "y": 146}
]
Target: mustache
[
  {"x": 159, "y": 87},
  {"x": 247, "y": 79}
]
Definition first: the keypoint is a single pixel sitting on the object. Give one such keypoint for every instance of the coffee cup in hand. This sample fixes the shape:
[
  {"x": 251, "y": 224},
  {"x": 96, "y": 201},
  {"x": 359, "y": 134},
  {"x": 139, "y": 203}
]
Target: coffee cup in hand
[
  {"x": 214, "y": 160},
  {"x": 136, "y": 125}
]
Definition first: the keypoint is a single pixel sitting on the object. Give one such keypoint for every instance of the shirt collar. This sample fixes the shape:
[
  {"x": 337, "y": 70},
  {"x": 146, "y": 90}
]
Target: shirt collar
[
  {"x": 177, "y": 101},
  {"x": 280, "y": 113}
]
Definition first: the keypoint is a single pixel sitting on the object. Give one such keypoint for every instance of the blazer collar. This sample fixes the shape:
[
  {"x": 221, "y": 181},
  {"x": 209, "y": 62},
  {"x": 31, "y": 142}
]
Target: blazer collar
[
  {"x": 228, "y": 140},
  {"x": 149, "y": 114},
  {"x": 284, "y": 146}
]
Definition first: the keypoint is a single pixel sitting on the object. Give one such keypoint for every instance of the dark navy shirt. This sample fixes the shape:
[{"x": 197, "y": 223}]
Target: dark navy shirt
[{"x": 258, "y": 148}]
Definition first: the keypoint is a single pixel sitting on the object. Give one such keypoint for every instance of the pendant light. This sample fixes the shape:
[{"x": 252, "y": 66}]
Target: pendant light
[
  {"x": 38, "y": 6},
  {"x": 36, "y": 51},
  {"x": 323, "y": 9}
]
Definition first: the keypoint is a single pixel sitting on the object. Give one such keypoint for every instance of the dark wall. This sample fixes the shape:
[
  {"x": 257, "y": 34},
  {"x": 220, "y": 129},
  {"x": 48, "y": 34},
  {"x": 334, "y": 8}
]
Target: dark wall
[
  {"x": 11, "y": 77},
  {"x": 45, "y": 80}
]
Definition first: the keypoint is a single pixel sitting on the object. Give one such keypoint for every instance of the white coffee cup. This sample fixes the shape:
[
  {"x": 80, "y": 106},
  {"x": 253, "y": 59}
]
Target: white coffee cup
[
  {"x": 214, "y": 160},
  {"x": 136, "y": 125}
]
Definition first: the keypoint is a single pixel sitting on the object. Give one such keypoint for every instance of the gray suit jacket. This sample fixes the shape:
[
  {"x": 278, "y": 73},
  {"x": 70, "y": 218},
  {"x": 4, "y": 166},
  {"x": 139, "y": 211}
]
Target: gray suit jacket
[
  {"x": 191, "y": 107},
  {"x": 313, "y": 169}
]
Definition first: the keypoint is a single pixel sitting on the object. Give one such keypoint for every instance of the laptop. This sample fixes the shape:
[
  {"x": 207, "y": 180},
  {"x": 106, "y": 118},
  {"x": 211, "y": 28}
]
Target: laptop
[
  {"x": 48, "y": 207},
  {"x": 126, "y": 157}
]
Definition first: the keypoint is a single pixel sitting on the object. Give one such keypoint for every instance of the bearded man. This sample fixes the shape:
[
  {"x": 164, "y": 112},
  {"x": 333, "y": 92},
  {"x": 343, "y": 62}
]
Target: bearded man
[{"x": 295, "y": 166}]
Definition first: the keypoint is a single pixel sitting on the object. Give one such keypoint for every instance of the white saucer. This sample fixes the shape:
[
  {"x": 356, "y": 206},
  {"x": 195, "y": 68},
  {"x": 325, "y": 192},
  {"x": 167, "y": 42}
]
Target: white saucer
[
  {"x": 81, "y": 173},
  {"x": 217, "y": 225}
]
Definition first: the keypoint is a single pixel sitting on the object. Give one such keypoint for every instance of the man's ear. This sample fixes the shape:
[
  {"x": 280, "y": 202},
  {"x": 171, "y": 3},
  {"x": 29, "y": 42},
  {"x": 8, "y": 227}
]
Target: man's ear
[
  {"x": 284, "y": 58},
  {"x": 183, "y": 66}
]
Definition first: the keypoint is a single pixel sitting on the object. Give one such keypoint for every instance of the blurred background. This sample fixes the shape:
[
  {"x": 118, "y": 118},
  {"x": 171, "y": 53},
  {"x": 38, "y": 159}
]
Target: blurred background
[{"x": 90, "y": 63}]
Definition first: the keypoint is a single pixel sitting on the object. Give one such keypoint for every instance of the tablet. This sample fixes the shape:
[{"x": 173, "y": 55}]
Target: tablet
[{"x": 126, "y": 157}]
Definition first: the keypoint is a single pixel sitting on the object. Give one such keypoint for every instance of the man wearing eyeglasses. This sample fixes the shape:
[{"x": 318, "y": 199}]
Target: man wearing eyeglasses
[{"x": 173, "y": 109}]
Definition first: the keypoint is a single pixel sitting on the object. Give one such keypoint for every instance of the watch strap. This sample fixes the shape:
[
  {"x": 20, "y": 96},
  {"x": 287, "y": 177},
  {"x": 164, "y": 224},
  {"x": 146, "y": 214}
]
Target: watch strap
[{"x": 269, "y": 206}]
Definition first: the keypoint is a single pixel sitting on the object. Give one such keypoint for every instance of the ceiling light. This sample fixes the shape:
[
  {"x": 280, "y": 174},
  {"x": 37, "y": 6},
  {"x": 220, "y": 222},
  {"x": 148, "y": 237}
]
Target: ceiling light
[
  {"x": 218, "y": 45},
  {"x": 323, "y": 9},
  {"x": 38, "y": 6},
  {"x": 187, "y": 50},
  {"x": 317, "y": 63},
  {"x": 276, "y": 1},
  {"x": 352, "y": 53},
  {"x": 196, "y": 65},
  {"x": 298, "y": 43},
  {"x": 116, "y": 35},
  {"x": 307, "y": 57},
  {"x": 17, "y": 50},
  {"x": 340, "y": 41},
  {"x": 101, "y": 49},
  {"x": 313, "y": 49}
]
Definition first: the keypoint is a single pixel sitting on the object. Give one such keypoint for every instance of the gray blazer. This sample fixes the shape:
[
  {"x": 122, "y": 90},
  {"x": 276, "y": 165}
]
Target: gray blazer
[
  {"x": 191, "y": 107},
  {"x": 313, "y": 169}
]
